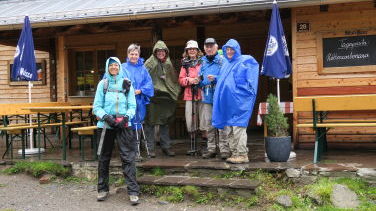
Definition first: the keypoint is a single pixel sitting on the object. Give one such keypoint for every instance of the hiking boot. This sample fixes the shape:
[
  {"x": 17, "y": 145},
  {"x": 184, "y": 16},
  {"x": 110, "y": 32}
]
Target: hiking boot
[
  {"x": 225, "y": 155},
  {"x": 168, "y": 152},
  {"x": 102, "y": 196},
  {"x": 134, "y": 200},
  {"x": 209, "y": 154},
  {"x": 238, "y": 159}
]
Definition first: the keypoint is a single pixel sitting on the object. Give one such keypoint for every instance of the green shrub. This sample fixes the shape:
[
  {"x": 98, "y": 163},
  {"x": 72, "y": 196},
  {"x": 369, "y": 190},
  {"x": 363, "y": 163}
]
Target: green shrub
[{"x": 275, "y": 120}]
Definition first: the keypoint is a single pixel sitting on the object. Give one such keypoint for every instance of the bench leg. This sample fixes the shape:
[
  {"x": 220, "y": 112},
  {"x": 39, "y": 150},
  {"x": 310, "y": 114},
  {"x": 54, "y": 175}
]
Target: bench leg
[
  {"x": 23, "y": 144},
  {"x": 70, "y": 137},
  {"x": 6, "y": 143},
  {"x": 316, "y": 154},
  {"x": 44, "y": 138},
  {"x": 11, "y": 147}
]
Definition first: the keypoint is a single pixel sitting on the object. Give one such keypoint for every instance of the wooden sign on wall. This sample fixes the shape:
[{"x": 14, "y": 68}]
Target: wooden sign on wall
[{"x": 343, "y": 53}]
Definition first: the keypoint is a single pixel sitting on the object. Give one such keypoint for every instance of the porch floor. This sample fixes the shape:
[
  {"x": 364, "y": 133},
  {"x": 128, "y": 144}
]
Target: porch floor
[{"x": 335, "y": 160}]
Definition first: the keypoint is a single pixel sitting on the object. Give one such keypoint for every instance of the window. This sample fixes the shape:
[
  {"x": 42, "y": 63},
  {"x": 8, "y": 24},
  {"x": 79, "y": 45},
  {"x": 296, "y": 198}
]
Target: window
[
  {"x": 86, "y": 69},
  {"x": 41, "y": 71}
]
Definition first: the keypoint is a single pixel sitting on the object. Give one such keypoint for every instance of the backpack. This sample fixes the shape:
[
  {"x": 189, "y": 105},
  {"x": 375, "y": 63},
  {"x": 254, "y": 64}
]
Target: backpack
[{"x": 126, "y": 83}]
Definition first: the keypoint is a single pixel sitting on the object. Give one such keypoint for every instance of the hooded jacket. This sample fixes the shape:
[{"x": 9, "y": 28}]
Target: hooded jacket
[
  {"x": 141, "y": 80},
  {"x": 163, "y": 74},
  {"x": 236, "y": 89},
  {"x": 114, "y": 103}
]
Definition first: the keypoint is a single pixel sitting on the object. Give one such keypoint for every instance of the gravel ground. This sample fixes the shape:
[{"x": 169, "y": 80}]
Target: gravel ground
[{"x": 22, "y": 192}]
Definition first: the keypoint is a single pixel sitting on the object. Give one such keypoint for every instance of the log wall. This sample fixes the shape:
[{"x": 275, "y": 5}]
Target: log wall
[
  {"x": 19, "y": 93},
  {"x": 308, "y": 82}
]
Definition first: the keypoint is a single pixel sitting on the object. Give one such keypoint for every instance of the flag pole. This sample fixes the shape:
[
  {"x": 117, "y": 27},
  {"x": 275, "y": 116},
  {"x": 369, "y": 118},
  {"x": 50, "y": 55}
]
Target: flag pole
[
  {"x": 31, "y": 147},
  {"x": 278, "y": 92}
]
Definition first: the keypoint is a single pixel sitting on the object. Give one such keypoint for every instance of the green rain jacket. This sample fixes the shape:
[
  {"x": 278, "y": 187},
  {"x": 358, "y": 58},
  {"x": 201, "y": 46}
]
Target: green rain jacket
[{"x": 166, "y": 87}]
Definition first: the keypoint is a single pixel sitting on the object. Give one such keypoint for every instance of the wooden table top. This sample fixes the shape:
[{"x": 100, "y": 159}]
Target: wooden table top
[{"x": 58, "y": 108}]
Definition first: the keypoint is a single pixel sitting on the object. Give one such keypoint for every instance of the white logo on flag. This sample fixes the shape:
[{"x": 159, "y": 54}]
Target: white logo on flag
[
  {"x": 17, "y": 51},
  {"x": 285, "y": 46},
  {"x": 23, "y": 72},
  {"x": 272, "y": 46}
]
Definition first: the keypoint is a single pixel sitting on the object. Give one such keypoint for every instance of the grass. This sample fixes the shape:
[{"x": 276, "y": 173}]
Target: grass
[
  {"x": 77, "y": 180},
  {"x": 322, "y": 188},
  {"x": 271, "y": 186},
  {"x": 158, "y": 172},
  {"x": 38, "y": 168}
]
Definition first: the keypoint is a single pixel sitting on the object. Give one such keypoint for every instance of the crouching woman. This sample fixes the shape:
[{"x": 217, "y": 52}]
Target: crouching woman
[{"x": 115, "y": 105}]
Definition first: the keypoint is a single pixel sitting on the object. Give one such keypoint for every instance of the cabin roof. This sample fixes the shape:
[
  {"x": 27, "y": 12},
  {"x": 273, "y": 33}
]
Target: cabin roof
[{"x": 46, "y": 13}]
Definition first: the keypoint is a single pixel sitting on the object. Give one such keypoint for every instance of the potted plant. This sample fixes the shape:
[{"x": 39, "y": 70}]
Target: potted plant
[{"x": 278, "y": 141}]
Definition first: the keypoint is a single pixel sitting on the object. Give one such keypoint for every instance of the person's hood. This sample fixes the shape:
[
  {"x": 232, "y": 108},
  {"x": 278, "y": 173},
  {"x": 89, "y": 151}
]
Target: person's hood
[
  {"x": 140, "y": 62},
  {"x": 160, "y": 45},
  {"x": 107, "y": 74},
  {"x": 234, "y": 45}
]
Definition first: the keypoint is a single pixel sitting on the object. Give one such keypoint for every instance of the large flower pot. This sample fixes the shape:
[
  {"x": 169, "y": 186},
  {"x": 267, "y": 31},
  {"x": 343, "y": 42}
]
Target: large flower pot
[{"x": 278, "y": 148}]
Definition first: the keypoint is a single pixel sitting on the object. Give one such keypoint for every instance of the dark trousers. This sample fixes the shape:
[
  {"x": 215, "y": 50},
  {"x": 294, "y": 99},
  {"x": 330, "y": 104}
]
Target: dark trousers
[
  {"x": 165, "y": 140},
  {"x": 127, "y": 146}
]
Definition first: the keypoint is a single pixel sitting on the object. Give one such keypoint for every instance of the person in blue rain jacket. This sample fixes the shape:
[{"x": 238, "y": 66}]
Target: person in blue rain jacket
[
  {"x": 135, "y": 70},
  {"x": 209, "y": 74},
  {"x": 234, "y": 98},
  {"x": 114, "y": 104}
]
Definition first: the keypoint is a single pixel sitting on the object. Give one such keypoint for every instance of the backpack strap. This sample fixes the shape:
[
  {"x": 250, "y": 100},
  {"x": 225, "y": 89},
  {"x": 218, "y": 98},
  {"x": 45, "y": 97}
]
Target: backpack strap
[{"x": 105, "y": 85}]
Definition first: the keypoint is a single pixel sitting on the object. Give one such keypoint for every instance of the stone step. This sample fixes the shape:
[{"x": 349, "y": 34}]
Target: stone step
[
  {"x": 208, "y": 182},
  {"x": 187, "y": 164}
]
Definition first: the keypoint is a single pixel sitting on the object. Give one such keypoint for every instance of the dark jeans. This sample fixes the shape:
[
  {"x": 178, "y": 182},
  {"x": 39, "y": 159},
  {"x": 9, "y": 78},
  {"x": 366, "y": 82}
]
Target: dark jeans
[
  {"x": 165, "y": 140},
  {"x": 127, "y": 147}
]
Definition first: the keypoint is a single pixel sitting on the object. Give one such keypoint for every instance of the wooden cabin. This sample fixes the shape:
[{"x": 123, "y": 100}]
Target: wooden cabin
[{"x": 72, "y": 43}]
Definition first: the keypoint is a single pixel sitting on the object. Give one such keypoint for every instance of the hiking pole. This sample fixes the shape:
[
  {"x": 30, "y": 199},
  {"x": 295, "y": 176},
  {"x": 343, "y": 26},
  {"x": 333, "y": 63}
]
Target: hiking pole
[
  {"x": 145, "y": 141},
  {"x": 138, "y": 142},
  {"x": 101, "y": 140}
]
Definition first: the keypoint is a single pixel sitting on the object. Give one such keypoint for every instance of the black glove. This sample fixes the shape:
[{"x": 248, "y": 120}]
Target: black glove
[
  {"x": 110, "y": 120},
  {"x": 123, "y": 123},
  {"x": 126, "y": 85}
]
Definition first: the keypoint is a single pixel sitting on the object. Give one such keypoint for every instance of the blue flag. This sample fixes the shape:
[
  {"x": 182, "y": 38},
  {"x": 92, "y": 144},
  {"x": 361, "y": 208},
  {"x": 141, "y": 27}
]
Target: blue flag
[
  {"x": 24, "y": 67},
  {"x": 276, "y": 62}
]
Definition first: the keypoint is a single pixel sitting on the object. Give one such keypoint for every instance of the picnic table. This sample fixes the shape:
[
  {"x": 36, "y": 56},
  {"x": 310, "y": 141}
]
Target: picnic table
[{"x": 56, "y": 109}]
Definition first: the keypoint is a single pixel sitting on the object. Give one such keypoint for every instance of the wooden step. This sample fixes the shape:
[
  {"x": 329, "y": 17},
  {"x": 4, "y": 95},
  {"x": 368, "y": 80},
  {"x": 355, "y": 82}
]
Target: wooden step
[{"x": 209, "y": 182}]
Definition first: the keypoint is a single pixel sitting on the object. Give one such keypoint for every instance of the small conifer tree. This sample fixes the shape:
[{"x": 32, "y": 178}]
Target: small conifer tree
[{"x": 275, "y": 120}]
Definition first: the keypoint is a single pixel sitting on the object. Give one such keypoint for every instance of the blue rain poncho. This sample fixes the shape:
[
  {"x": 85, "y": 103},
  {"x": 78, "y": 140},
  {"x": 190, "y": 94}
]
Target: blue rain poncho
[
  {"x": 113, "y": 103},
  {"x": 141, "y": 80},
  {"x": 236, "y": 89}
]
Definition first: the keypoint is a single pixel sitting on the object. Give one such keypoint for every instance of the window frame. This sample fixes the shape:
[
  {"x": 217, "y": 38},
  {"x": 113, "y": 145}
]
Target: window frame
[{"x": 41, "y": 62}]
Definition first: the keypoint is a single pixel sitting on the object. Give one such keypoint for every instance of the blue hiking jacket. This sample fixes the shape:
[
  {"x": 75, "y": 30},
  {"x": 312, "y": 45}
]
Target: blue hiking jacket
[
  {"x": 236, "y": 89},
  {"x": 210, "y": 68},
  {"x": 141, "y": 80},
  {"x": 114, "y": 103}
]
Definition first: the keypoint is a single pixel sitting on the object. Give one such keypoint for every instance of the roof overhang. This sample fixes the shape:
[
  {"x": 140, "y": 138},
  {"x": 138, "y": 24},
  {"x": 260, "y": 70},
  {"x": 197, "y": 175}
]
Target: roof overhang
[{"x": 144, "y": 10}]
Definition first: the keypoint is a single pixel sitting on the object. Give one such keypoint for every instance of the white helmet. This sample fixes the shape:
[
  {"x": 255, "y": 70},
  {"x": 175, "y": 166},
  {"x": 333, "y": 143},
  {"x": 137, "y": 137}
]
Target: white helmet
[{"x": 191, "y": 44}]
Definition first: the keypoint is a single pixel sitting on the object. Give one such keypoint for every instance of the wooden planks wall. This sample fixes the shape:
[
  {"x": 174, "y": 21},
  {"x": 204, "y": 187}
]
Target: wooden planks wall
[
  {"x": 19, "y": 93},
  {"x": 307, "y": 81},
  {"x": 120, "y": 41}
]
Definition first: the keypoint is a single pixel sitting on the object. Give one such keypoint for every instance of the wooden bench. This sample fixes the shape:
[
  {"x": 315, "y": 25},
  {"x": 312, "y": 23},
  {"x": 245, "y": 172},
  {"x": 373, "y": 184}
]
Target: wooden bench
[
  {"x": 320, "y": 106},
  {"x": 88, "y": 131}
]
